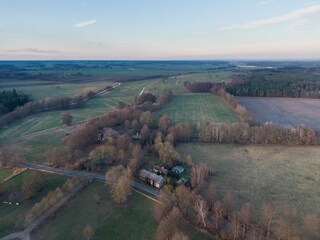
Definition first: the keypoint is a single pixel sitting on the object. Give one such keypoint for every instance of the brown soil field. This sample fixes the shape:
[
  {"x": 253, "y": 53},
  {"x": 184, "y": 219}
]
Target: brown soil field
[{"x": 284, "y": 111}]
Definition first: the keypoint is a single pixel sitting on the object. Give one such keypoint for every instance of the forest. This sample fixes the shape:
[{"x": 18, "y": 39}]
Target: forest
[
  {"x": 9, "y": 100},
  {"x": 283, "y": 82}
]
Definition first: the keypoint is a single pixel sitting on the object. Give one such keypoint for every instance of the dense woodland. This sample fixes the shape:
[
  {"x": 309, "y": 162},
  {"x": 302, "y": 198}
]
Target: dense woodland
[
  {"x": 284, "y": 82},
  {"x": 9, "y": 100}
]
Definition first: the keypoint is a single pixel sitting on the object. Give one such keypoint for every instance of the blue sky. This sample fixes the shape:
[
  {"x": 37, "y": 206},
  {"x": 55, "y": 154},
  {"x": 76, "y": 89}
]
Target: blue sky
[{"x": 159, "y": 29}]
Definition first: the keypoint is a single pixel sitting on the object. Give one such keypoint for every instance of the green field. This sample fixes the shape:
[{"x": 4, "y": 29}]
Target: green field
[
  {"x": 12, "y": 216},
  {"x": 208, "y": 108},
  {"x": 5, "y": 172},
  {"x": 198, "y": 108},
  {"x": 208, "y": 76},
  {"x": 93, "y": 108},
  {"x": 286, "y": 175},
  {"x": 40, "y": 90},
  {"x": 134, "y": 220}
]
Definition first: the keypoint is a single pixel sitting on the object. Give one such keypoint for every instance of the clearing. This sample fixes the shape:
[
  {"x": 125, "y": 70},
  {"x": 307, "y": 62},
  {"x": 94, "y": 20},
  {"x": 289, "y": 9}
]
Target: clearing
[
  {"x": 284, "y": 111},
  {"x": 286, "y": 175},
  {"x": 198, "y": 108}
]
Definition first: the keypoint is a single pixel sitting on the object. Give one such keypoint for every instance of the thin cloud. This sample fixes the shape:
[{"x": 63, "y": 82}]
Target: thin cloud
[
  {"x": 295, "y": 15},
  {"x": 85, "y": 23},
  {"x": 33, "y": 50}
]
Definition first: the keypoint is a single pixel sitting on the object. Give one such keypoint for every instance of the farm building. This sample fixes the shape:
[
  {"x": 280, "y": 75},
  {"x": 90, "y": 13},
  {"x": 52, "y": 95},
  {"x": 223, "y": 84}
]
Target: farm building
[
  {"x": 160, "y": 170},
  {"x": 177, "y": 169},
  {"x": 152, "y": 178},
  {"x": 137, "y": 136}
]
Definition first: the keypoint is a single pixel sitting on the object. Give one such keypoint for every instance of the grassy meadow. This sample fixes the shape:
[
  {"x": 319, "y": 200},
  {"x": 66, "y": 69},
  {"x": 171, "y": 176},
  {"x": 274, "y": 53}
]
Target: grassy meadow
[
  {"x": 198, "y": 108},
  {"x": 12, "y": 216},
  {"x": 285, "y": 175},
  {"x": 5, "y": 172},
  {"x": 93, "y": 207}
]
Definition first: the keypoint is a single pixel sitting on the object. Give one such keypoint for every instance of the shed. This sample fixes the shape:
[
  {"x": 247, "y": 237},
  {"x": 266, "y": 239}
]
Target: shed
[
  {"x": 177, "y": 169},
  {"x": 160, "y": 170}
]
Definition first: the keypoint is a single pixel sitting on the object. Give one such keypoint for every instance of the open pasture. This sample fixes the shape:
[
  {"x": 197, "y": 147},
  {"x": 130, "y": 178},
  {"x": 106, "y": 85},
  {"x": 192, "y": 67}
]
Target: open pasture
[
  {"x": 198, "y": 108},
  {"x": 93, "y": 207},
  {"x": 93, "y": 108},
  {"x": 206, "y": 76},
  {"x": 5, "y": 172},
  {"x": 284, "y": 111},
  {"x": 41, "y": 90},
  {"x": 285, "y": 175},
  {"x": 12, "y": 216}
]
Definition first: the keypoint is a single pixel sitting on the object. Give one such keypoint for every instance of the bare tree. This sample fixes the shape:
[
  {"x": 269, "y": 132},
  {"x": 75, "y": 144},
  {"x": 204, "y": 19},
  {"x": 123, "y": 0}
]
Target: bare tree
[
  {"x": 246, "y": 215},
  {"x": 66, "y": 118},
  {"x": 228, "y": 202},
  {"x": 234, "y": 226},
  {"x": 119, "y": 181},
  {"x": 198, "y": 174},
  {"x": 87, "y": 232},
  {"x": 179, "y": 236},
  {"x": 217, "y": 212},
  {"x": 202, "y": 210},
  {"x": 121, "y": 189},
  {"x": 169, "y": 225},
  {"x": 185, "y": 199},
  {"x": 162, "y": 210},
  {"x": 311, "y": 225},
  {"x": 211, "y": 194},
  {"x": 269, "y": 211}
]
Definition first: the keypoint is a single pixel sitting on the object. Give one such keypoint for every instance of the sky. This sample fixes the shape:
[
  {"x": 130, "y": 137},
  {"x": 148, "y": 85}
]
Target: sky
[{"x": 159, "y": 29}]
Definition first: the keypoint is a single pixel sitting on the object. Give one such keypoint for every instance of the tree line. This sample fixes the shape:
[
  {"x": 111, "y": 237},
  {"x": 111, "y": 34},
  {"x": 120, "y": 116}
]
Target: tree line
[
  {"x": 202, "y": 87},
  {"x": 48, "y": 104},
  {"x": 52, "y": 198}
]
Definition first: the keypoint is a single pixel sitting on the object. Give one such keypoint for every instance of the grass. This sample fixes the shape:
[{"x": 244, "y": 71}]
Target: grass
[
  {"x": 286, "y": 175},
  {"x": 209, "y": 76},
  {"x": 108, "y": 220},
  {"x": 93, "y": 108},
  {"x": 5, "y": 172},
  {"x": 126, "y": 93},
  {"x": 198, "y": 108},
  {"x": 34, "y": 149},
  {"x": 41, "y": 90},
  {"x": 12, "y": 216}
]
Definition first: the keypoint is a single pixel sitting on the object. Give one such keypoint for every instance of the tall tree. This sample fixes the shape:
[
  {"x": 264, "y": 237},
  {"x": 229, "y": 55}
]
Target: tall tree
[
  {"x": 246, "y": 215},
  {"x": 198, "y": 174},
  {"x": 119, "y": 182},
  {"x": 67, "y": 119},
  {"x": 268, "y": 211},
  {"x": 217, "y": 212},
  {"x": 201, "y": 209}
]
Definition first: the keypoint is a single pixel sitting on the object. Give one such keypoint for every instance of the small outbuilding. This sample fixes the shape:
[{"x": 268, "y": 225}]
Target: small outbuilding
[
  {"x": 137, "y": 136},
  {"x": 160, "y": 170},
  {"x": 177, "y": 169},
  {"x": 152, "y": 178}
]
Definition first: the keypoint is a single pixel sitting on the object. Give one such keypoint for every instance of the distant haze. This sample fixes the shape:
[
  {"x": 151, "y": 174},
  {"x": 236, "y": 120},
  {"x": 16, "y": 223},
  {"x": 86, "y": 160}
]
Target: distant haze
[{"x": 166, "y": 29}]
